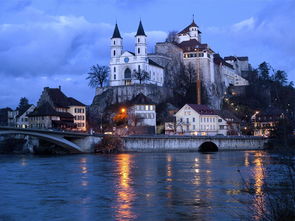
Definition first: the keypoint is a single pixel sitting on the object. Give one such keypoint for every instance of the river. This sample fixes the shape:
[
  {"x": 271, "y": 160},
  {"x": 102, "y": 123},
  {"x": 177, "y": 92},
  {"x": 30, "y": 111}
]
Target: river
[{"x": 135, "y": 186}]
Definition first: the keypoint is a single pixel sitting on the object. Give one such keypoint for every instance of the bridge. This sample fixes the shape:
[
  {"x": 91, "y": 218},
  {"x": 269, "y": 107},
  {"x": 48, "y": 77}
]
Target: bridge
[
  {"x": 74, "y": 142},
  {"x": 193, "y": 143}
]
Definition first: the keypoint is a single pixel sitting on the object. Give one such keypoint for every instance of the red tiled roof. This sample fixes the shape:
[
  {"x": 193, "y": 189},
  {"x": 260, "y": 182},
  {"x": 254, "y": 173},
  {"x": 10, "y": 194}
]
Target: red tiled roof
[
  {"x": 185, "y": 30},
  {"x": 203, "y": 109},
  {"x": 191, "y": 45}
]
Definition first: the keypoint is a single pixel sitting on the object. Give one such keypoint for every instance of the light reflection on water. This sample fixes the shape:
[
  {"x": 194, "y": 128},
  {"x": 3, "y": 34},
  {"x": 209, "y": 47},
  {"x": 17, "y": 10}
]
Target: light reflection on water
[{"x": 150, "y": 186}]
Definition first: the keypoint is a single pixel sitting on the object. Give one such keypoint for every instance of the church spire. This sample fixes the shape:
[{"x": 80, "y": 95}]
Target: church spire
[
  {"x": 116, "y": 33},
  {"x": 140, "y": 30}
]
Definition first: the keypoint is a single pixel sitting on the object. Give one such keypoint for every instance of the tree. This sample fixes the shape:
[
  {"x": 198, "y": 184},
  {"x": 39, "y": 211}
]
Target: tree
[
  {"x": 141, "y": 75},
  {"x": 281, "y": 77},
  {"x": 263, "y": 71},
  {"x": 172, "y": 37},
  {"x": 23, "y": 105},
  {"x": 97, "y": 75}
]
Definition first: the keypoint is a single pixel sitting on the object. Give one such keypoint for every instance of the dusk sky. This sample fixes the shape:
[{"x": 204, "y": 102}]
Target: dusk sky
[{"x": 54, "y": 42}]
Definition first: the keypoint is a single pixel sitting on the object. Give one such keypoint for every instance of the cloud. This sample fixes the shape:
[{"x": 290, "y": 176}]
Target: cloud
[{"x": 268, "y": 36}]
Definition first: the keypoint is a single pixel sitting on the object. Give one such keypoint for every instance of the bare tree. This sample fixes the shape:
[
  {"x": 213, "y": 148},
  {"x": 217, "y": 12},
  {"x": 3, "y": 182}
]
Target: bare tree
[
  {"x": 141, "y": 75},
  {"x": 98, "y": 75},
  {"x": 172, "y": 37}
]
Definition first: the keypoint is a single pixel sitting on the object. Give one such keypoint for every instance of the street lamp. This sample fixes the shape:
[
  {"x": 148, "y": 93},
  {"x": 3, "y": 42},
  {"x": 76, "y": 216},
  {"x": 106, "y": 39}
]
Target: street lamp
[{"x": 123, "y": 110}]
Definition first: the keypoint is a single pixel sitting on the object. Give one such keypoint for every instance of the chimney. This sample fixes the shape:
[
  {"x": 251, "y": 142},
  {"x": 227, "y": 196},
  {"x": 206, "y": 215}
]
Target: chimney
[{"x": 59, "y": 87}]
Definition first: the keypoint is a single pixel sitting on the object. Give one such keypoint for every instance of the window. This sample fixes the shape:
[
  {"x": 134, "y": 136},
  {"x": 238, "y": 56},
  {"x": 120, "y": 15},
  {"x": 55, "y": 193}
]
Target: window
[
  {"x": 138, "y": 68},
  {"x": 114, "y": 53},
  {"x": 114, "y": 42},
  {"x": 138, "y": 50},
  {"x": 115, "y": 77},
  {"x": 180, "y": 119},
  {"x": 114, "y": 69},
  {"x": 138, "y": 40},
  {"x": 194, "y": 127},
  {"x": 187, "y": 120},
  {"x": 146, "y": 107},
  {"x": 194, "y": 119}
]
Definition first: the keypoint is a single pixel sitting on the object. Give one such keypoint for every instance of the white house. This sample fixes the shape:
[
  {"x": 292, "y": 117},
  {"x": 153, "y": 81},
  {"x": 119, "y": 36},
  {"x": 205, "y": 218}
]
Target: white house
[
  {"x": 22, "y": 120},
  {"x": 142, "y": 112},
  {"x": 124, "y": 64},
  {"x": 195, "y": 119}
]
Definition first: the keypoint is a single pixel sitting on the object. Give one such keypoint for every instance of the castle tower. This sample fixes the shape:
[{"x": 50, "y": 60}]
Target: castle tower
[
  {"x": 194, "y": 31},
  {"x": 140, "y": 41},
  {"x": 116, "y": 43}
]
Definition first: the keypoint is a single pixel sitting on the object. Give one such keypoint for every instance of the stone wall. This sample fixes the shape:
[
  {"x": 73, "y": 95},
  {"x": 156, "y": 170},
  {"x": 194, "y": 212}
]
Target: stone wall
[
  {"x": 118, "y": 94},
  {"x": 191, "y": 143}
]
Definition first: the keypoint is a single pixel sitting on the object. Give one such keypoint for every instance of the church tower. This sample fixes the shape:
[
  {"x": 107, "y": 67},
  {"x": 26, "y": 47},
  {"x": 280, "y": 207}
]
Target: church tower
[
  {"x": 140, "y": 41},
  {"x": 116, "y": 43}
]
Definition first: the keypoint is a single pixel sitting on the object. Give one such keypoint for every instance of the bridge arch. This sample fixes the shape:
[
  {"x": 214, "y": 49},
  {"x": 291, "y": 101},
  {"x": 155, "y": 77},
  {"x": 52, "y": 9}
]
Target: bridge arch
[
  {"x": 208, "y": 146},
  {"x": 60, "y": 141}
]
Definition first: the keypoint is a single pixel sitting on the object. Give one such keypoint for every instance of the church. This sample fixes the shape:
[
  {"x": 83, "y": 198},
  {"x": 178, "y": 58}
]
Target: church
[{"x": 128, "y": 68}]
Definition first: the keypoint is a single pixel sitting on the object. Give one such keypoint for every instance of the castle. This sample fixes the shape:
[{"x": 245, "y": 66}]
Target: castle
[{"x": 141, "y": 72}]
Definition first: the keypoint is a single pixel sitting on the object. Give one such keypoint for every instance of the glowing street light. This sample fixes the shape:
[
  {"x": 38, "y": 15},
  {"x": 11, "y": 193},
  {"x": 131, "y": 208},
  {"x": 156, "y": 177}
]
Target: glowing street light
[{"x": 123, "y": 110}]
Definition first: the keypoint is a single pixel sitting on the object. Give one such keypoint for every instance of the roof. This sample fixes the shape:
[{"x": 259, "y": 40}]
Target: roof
[
  {"x": 141, "y": 99},
  {"x": 46, "y": 109},
  {"x": 234, "y": 58},
  {"x": 59, "y": 99},
  {"x": 186, "y": 29},
  {"x": 202, "y": 109},
  {"x": 131, "y": 53},
  {"x": 191, "y": 45},
  {"x": 219, "y": 60},
  {"x": 140, "y": 30},
  {"x": 116, "y": 33},
  {"x": 73, "y": 102},
  {"x": 225, "y": 114},
  {"x": 21, "y": 112},
  {"x": 151, "y": 62}
]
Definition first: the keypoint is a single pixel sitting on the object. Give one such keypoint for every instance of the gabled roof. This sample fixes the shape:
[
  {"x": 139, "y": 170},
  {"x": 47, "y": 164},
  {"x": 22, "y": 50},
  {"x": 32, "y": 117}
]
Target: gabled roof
[
  {"x": 20, "y": 113},
  {"x": 140, "y": 31},
  {"x": 73, "y": 102},
  {"x": 202, "y": 109},
  {"x": 151, "y": 62},
  {"x": 227, "y": 115},
  {"x": 59, "y": 99},
  {"x": 191, "y": 45},
  {"x": 141, "y": 99},
  {"x": 116, "y": 33},
  {"x": 45, "y": 109},
  {"x": 186, "y": 29}
]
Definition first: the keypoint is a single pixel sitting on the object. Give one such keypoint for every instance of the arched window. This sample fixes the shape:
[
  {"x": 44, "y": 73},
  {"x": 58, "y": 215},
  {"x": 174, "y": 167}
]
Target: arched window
[
  {"x": 138, "y": 40},
  {"x": 127, "y": 74},
  {"x": 114, "y": 42},
  {"x": 138, "y": 50},
  {"x": 114, "y": 53},
  {"x": 115, "y": 77}
]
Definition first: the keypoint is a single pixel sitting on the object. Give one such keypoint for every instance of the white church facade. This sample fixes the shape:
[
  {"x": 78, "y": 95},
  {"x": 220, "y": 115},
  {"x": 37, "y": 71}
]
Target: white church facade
[{"x": 128, "y": 68}]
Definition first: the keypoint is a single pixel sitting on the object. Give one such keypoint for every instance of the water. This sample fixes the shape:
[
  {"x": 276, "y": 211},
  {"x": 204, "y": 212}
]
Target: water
[{"x": 139, "y": 186}]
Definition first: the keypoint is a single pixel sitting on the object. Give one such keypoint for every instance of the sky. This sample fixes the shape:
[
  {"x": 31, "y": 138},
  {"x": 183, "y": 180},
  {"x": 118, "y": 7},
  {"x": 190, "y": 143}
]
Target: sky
[{"x": 54, "y": 43}]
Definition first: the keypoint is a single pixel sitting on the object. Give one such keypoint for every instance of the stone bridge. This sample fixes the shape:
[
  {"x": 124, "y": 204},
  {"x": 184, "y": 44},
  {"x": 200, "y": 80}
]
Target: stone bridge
[
  {"x": 74, "y": 142},
  {"x": 193, "y": 143}
]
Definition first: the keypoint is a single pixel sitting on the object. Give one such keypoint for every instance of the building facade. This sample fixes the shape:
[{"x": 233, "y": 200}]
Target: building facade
[
  {"x": 194, "y": 119},
  {"x": 22, "y": 120},
  {"x": 56, "y": 110},
  {"x": 127, "y": 68}
]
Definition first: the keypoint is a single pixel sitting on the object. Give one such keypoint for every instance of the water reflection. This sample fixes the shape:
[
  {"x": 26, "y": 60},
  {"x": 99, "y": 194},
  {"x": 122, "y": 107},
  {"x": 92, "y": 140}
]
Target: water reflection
[
  {"x": 84, "y": 172},
  {"x": 125, "y": 192},
  {"x": 259, "y": 176}
]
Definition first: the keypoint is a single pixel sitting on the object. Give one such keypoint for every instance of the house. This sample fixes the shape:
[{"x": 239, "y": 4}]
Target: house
[
  {"x": 142, "y": 112},
  {"x": 196, "y": 119},
  {"x": 264, "y": 122},
  {"x": 12, "y": 117},
  {"x": 56, "y": 110},
  {"x": 233, "y": 123},
  {"x": 22, "y": 119},
  {"x": 125, "y": 64}
]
